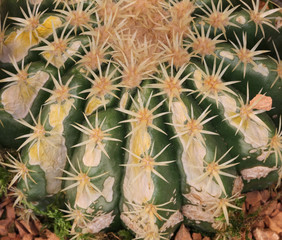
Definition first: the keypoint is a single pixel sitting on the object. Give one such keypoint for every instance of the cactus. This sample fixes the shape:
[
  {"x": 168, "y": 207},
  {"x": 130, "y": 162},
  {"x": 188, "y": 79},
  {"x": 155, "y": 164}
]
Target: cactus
[{"x": 145, "y": 114}]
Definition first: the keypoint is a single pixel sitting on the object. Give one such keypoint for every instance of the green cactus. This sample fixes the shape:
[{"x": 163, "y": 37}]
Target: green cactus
[{"x": 144, "y": 114}]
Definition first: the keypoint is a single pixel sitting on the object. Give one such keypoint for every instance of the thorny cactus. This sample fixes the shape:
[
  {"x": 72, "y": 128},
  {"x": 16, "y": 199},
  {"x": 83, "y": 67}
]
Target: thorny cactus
[{"x": 145, "y": 113}]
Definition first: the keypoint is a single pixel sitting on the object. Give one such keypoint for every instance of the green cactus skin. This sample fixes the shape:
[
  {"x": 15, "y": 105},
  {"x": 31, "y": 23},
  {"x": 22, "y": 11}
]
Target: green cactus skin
[
  {"x": 104, "y": 92},
  {"x": 46, "y": 148},
  {"x": 113, "y": 129},
  {"x": 12, "y": 111},
  {"x": 274, "y": 37},
  {"x": 262, "y": 75},
  {"x": 97, "y": 156},
  {"x": 19, "y": 41},
  {"x": 228, "y": 103},
  {"x": 9, "y": 7},
  {"x": 149, "y": 168},
  {"x": 206, "y": 168},
  {"x": 63, "y": 57},
  {"x": 64, "y": 106}
]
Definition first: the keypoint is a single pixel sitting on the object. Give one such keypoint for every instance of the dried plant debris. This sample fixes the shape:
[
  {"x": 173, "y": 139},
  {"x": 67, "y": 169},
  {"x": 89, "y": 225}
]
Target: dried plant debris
[
  {"x": 17, "y": 222},
  {"x": 260, "y": 219}
]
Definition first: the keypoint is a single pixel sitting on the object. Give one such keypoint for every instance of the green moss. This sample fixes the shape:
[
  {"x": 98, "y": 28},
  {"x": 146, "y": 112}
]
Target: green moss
[{"x": 5, "y": 178}]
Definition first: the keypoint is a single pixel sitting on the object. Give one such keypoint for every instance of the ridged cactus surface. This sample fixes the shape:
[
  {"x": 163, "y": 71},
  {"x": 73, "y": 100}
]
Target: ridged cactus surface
[{"x": 144, "y": 114}]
